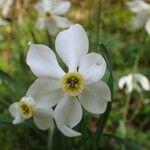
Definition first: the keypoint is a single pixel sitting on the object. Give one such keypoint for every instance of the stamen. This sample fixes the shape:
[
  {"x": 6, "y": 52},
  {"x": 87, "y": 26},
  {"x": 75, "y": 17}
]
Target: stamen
[
  {"x": 73, "y": 83},
  {"x": 25, "y": 109},
  {"x": 48, "y": 14}
]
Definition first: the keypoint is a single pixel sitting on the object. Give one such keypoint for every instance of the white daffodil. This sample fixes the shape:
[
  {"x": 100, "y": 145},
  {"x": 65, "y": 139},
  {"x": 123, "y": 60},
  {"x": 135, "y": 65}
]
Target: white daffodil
[
  {"x": 34, "y": 104},
  {"x": 80, "y": 85},
  {"x": 132, "y": 81},
  {"x": 5, "y": 7},
  {"x": 51, "y": 12},
  {"x": 142, "y": 10}
]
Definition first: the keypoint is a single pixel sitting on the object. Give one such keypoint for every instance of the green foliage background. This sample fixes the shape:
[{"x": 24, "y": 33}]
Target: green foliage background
[{"x": 107, "y": 22}]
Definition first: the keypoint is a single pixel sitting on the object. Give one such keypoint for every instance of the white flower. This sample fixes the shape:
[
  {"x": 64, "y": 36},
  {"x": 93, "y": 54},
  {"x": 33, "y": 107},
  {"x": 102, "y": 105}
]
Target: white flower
[
  {"x": 34, "y": 104},
  {"x": 51, "y": 12},
  {"x": 5, "y": 6},
  {"x": 142, "y": 10},
  {"x": 131, "y": 82},
  {"x": 3, "y": 22},
  {"x": 80, "y": 85}
]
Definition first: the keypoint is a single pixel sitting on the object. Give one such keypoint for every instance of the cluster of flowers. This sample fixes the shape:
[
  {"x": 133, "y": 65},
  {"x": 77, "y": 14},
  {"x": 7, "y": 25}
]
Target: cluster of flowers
[
  {"x": 137, "y": 81},
  {"x": 67, "y": 91},
  {"x": 59, "y": 95},
  {"x": 50, "y": 11}
]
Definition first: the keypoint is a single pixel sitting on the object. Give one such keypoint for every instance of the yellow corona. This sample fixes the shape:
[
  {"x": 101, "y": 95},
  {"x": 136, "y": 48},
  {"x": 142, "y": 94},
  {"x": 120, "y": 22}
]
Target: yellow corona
[
  {"x": 73, "y": 83},
  {"x": 25, "y": 109}
]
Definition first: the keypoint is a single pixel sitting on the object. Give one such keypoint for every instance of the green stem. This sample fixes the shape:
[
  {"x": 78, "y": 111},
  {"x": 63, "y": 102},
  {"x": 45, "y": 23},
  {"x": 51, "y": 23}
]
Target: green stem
[
  {"x": 136, "y": 110},
  {"x": 98, "y": 22},
  {"x": 50, "y": 138},
  {"x": 50, "y": 42},
  {"x": 126, "y": 108},
  {"x": 90, "y": 24},
  {"x": 104, "y": 117}
]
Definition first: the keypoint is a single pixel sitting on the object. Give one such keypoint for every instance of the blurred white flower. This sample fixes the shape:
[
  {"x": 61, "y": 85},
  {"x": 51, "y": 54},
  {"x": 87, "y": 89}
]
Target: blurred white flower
[
  {"x": 3, "y": 22},
  {"x": 132, "y": 81},
  {"x": 5, "y": 7},
  {"x": 35, "y": 104},
  {"x": 142, "y": 10},
  {"x": 1, "y": 2},
  {"x": 1, "y": 37},
  {"x": 51, "y": 12},
  {"x": 81, "y": 85}
]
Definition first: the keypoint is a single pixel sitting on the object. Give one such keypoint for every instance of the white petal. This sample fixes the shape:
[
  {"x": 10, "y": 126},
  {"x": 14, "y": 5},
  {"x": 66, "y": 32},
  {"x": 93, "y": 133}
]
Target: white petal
[
  {"x": 68, "y": 131},
  {"x": 62, "y": 22},
  {"x": 71, "y": 45},
  {"x": 127, "y": 82},
  {"x": 147, "y": 26},
  {"x": 43, "y": 62},
  {"x": 92, "y": 66},
  {"x": 52, "y": 27},
  {"x": 13, "y": 110},
  {"x": 41, "y": 24},
  {"x": 68, "y": 112},
  {"x": 6, "y": 7},
  {"x": 62, "y": 7},
  {"x": 46, "y": 92},
  {"x": 18, "y": 119},
  {"x": 43, "y": 118},
  {"x": 95, "y": 97},
  {"x": 140, "y": 19},
  {"x": 47, "y": 5},
  {"x": 137, "y": 5},
  {"x": 1, "y": 2},
  {"x": 143, "y": 81},
  {"x": 43, "y": 6},
  {"x": 2, "y": 22}
]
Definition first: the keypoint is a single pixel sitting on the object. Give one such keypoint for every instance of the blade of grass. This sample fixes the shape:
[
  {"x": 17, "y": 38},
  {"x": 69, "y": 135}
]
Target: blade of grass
[
  {"x": 5, "y": 121},
  {"x": 6, "y": 77},
  {"x": 104, "y": 117}
]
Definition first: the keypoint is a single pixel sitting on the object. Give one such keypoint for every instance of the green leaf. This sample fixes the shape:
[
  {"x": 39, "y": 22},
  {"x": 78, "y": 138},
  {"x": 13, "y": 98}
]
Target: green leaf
[
  {"x": 5, "y": 121},
  {"x": 130, "y": 145},
  {"x": 108, "y": 60},
  {"x": 6, "y": 77},
  {"x": 104, "y": 117}
]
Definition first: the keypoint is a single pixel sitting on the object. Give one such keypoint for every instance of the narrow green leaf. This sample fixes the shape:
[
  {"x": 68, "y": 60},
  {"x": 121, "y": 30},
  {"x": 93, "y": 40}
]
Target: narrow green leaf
[
  {"x": 5, "y": 121},
  {"x": 6, "y": 77},
  {"x": 104, "y": 117}
]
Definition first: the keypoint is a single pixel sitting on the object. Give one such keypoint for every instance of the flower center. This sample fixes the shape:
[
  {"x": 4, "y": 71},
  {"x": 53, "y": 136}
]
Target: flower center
[
  {"x": 73, "y": 83},
  {"x": 25, "y": 109},
  {"x": 48, "y": 14}
]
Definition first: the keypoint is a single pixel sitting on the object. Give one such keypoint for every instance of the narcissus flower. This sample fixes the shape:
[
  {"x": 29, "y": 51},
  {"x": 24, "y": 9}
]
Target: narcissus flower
[
  {"x": 79, "y": 86},
  {"x": 51, "y": 15},
  {"x": 142, "y": 10},
  {"x": 132, "y": 81},
  {"x": 5, "y": 6},
  {"x": 35, "y": 105}
]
